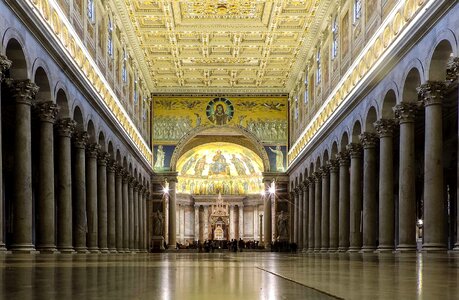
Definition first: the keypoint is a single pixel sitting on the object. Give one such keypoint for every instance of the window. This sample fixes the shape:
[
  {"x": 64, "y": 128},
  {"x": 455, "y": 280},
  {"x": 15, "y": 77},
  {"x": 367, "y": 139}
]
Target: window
[
  {"x": 110, "y": 38},
  {"x": 296, "y": 108},
  {"x": 306, "y": 89},
  {"x": 124, "y": 69},
  {"x": 91, "y": 11},
  {"x": 136, "y": 92},
  {"x": 357, "y": 10},
  {"x": 335, "y": 37},
  {"x": 319, "y": 68}
]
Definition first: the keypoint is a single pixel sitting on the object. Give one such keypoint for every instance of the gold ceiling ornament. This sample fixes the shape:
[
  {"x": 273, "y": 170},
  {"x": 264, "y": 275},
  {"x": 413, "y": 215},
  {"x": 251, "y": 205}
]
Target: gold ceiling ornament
[
  {"x": 261, "y": 45},
  {"x": 222, "y": 8}
]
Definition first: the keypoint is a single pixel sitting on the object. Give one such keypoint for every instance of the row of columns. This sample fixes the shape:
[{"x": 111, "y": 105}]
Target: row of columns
[
  {"x": 99, "y": 207},
  {"x": 336, "y": 208}
]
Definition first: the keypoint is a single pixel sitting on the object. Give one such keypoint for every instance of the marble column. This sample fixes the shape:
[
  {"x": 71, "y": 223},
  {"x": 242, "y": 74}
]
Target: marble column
[
  {"x": 452, "y": 75},
  {"x": 45, "y": 205},
  {"x": 317, "y": 210},
  {"x": 206, "y": 222},
  {"x": 5, "y": 65},
  {"x": 196, "y": 223},
  {"x": 80, "y": 226},
  {"x": 241, "y": 221},
  {"x": 435, "y": 236},
  {"x": 137, "y": 188},
  {"x": 385, "y": 129},
  {"x": 311, "y": 215},
  {"x": 370, "y": 228},
  {"x": 334, "y": 205},
  {"x": 132, "y": 196},
  {"x": 355, "y": 192},
  {"x": 267, "y": 218},
  {"x": 125, "y": 210},
  {"x": 304, "y": 214},
  {"x": 405, "y": 113},
  {"x": 91, "y": 197},
  {"x": 142, "y": 220},
  {"x": 232, "y": 223},
  {"x": 111, "y": 206},
  {"x": 172, "y": 214},
  {"x": 344, "y": 162},
  {"x": 119, "y": 208},
  {"x": 299, "y": 200},
  {"x": 325, "y": 219},
  {"x": 102, "y": 219},
  {"x": 65, "y": 128},
  {"x": 22, "y": 92},
  {"x": 295, "y": 201}
]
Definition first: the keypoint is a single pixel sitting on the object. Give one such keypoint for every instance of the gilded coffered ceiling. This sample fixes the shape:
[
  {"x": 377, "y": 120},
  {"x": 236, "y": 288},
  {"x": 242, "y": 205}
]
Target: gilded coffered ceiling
[{"x": 222, "y": 45}]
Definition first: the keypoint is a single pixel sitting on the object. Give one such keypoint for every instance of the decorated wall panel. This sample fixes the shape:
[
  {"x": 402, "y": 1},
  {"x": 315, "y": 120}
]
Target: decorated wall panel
[{"x": 264, "y": 117}]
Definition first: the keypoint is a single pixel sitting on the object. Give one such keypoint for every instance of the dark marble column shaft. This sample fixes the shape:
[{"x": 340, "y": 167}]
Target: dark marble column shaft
[
  {"x": 102, "y": 218},
  {"x": 325, "y": 219},
  {"x": 91, "y": 197},
  {"x": 119, "y": 209},
  {"x": 355, "y": 192},
  {"x": 334, "y": 205},
  {"x": 111, "y": 206},
  {"x": 344, "y": 162}
]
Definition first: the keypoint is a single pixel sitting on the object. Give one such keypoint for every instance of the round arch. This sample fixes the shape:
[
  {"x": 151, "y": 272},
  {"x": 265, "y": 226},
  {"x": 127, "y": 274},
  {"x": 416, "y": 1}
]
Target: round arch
[{"x": 256, "y": 144}]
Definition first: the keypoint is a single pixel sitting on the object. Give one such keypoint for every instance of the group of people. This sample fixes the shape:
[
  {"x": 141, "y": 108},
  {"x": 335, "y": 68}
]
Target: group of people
[{"x": 233, "y": 245}]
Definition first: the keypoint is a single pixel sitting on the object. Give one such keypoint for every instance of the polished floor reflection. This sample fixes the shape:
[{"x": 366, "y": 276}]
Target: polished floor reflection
[{"x": 229, "y": 276}]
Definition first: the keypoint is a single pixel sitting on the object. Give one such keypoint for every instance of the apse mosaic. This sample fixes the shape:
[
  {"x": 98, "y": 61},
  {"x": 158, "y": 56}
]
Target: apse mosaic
[
  {"x": 175, "y": 116},
  {"x": 224, "y": 168}
]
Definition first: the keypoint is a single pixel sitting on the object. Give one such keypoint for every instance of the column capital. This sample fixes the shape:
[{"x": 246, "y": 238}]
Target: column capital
[
  {"x": 5, "y": 64},
  {"x": 80, "y": 139},
  {"x": 126, "y": 177},
  {"x": 385, "y": 127},
  {"x": 304, "y": 186},
  {"x": 23, "y": 91},
  {"x": 431, "y": 93},
  {"x": 452, "y": 69},
  {"x": 355, "y": 150},
  {"x": 297, "y": 190},
  {"x": 311, "y": 179},
  {"x": 325, "y": 170},
  {"x": 343, "y": 158},
  {"x": 405, "y": 112},
  {"x": 103, "y": 158},
  {"x": 46, "y": 111},
  {"x": 92, "y": 150},
  {"x": 119, "y": 170},
  {"x": 111, "y": 166},
  {"x": 368, "y": 140},
  {"x": 65, "y": 127},
  {"x": 136, "y": 185},
  {"x": 333, "y": 165},
  {"x": 317, "y": 175},
  {"x": 292, "y": 195},
  {"x": 131, "y": 181}
]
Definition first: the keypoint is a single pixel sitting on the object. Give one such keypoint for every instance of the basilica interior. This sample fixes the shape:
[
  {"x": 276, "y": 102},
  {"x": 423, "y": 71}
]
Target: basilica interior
[{"x": 266, "y": 149}]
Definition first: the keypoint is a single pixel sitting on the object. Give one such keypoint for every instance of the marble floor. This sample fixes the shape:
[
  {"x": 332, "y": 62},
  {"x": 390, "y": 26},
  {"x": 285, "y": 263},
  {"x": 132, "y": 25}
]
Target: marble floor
[{"x": 246, "y": 275}]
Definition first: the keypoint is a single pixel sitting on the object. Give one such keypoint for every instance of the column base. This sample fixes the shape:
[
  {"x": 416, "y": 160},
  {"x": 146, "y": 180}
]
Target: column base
[
  {"x": 367, "y": 249},
  {"x": 66, "y": 250},
  {"x": 3, "y": 247},
  {"x": 113, "y": 250},
  {"x": 434, "y": 247},
  {"x": 324, "y": 250},
  {"x": 385, "y": 248},
  {"x": 456, "y": 247},
  {"x": 343, "y": 248},
  {"x": 404, "y": 248},
  {"x": 353, "y": 249},
  {"x": 47, "y": 249},
  {"x": 82, "y": 251},
  {"x": 93, "y": 250},
  {"x": 103, "y": 250},
  {"x": 23, "y": 248},
  {"x": 120, "y": 251},
  {"x": 332, "y": 250}
]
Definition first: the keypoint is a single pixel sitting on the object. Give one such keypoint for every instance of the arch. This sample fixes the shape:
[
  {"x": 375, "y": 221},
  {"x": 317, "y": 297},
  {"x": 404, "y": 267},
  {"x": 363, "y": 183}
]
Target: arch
[
  {"x": 42, "y": 81},
  {"x": 15, "y": 52},
  {"x": 91, "y": 132},
  {"x": 356, "y": 132},
  {"x": 62, "y": 103},
  {"x": 318, "y": 164},
  {"x": 325, "y": 157},
  {"x": 344, "y": 142},
  {"x": 412, "y": 82},
  {"x": 118, "y": 156},
  {"x": 311, "y": 169},
  {"x": 125, "y": 164},
  {"x": 78, "y": 118},
  {"x": 372, "y": 116},
  {"x": 334, "y": 150},
  {"x": 110, "y": 151},
  {"x": 256, "y": 143},
  {"x": 301, "y": 177},
  {"x": 101, "y": 141},
  {"x": 389, "y": 101},
  {"x": 439, "y": 60}
]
